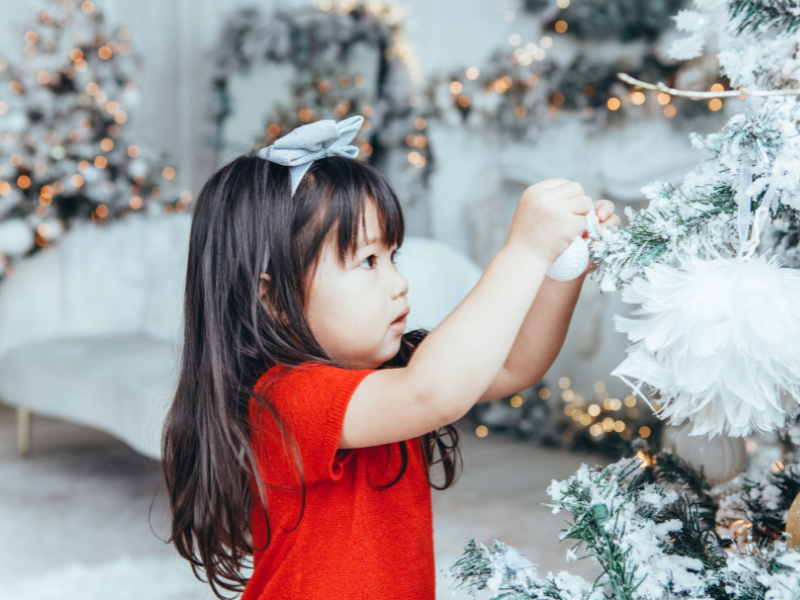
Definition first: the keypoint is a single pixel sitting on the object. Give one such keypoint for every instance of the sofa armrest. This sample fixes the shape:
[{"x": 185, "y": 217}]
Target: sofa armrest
[{"x": 30, "y": 301}]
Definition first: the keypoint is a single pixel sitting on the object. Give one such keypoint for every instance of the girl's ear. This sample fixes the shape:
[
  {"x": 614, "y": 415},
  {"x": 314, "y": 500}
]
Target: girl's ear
[{"x": 265, "y": 295}]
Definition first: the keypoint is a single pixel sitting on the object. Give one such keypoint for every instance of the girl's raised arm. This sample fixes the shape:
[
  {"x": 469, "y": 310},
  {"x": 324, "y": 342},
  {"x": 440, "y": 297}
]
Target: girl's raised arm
[{"x": 455, "y": 364}]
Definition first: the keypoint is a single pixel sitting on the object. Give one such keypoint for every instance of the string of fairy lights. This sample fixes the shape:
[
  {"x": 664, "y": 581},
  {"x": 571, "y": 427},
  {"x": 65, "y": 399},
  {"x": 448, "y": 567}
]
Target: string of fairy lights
[{"x": 603, "y": 415}]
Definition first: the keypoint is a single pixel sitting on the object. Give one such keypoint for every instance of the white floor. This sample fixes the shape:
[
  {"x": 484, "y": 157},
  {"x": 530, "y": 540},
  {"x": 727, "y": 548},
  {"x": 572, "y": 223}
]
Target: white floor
[{"x": 74, "y": 516}]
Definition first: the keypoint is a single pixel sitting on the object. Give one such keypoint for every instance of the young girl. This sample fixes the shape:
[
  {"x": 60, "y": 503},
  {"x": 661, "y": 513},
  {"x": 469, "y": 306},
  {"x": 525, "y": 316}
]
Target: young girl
[{"x": 305, "y": 421}]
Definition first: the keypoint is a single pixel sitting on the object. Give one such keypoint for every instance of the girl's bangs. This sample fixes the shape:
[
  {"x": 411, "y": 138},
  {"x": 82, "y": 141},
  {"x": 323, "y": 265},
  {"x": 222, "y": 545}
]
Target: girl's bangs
[{"x": 351, "y": 184}]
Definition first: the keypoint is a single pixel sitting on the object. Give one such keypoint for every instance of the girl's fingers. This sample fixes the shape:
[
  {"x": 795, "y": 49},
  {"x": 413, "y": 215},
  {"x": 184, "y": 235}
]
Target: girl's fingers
[
  {"x": 604, "y": 209},
  {"x": 612, "y": 222},
  {"x": 579, "y": 205}
]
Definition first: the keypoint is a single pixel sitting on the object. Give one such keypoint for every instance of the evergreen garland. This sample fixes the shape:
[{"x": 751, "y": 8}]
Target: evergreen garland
[{"x": 625, "y": 20}]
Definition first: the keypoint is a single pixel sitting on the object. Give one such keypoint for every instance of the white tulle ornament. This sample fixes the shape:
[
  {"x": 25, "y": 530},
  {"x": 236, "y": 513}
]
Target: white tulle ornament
[
  {"x": 720, "y": 340},
  {"x": 572, "y": 263}
]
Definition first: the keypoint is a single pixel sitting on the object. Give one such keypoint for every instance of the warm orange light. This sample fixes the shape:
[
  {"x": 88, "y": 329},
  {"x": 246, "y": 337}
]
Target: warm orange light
[
  {"x": 274, "y": 130},
  {"x": 76, "y": 180},
  {"x": 92, "y": 88},
  {"x": 31, "y": 37},
  {"x": 420, "y": 123},
  {"x": 613, "y": 103},
  {"x": 463, "y": 101},
  {"x": 120, "y": 117},
  {"x": 43, "y": 77},
  {"x": 133, "y": 151},
  {"x": 664, "y": 99},
  {"x": 670, "y": 111},
  {"x": 136, "y": 203},
  {"x": 105, "y": 52},
  {"x": 714, "y": 104},
  {"x": 15, "y": 87},
  {"x": 561, "y": 26},
  {"x": 87, "y": 7},
  {"x": 100, "y": 162},
  {"x": 101, "y": 211},
  {"x": 304, "y": 114},
  {"x": 638, "y": 98},
  {"x": 112, "y": 107},
  {"x": 24, "y": 182},
  {"x": 168, "y": 173},
  {"x": 472, "y": 73},
  {"x": 107, "y": 144},
  {"x": 646, "y": 458},
  {"x": 76, "y": 54},
  {"x": 456, "y": 87},
  {"x": 84, "y": 166},
  {"x": 644, "y": 431}
]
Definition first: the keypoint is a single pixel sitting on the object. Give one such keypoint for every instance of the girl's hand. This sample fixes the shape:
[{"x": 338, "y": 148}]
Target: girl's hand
[
  {"x": 605, "y": 214},
  {"x": 548, "y": 218},
  {"x": 606, "y": 217}
]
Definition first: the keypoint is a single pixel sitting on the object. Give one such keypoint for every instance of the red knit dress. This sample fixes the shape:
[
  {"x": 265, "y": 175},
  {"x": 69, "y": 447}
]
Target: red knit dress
[{"x": 355, "y": 540}]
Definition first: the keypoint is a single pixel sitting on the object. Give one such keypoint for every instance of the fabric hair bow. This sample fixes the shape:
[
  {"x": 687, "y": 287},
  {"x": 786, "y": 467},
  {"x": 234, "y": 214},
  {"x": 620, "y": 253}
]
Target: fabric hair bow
[{"x": 302, "y": 146}]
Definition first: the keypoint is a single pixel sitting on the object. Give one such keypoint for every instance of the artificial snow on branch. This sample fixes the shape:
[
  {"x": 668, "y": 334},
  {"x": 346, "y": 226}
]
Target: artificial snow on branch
[{"x": 740, "y": 93}]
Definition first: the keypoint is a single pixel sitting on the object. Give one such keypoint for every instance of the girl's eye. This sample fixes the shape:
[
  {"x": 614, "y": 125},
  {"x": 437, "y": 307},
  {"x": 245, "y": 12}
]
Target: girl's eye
[{"x": 370, "y": 262}]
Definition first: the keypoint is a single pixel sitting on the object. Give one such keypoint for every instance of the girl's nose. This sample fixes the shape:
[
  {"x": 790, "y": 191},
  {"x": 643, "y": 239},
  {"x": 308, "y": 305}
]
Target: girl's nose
[{"x": 399, "y": 285}]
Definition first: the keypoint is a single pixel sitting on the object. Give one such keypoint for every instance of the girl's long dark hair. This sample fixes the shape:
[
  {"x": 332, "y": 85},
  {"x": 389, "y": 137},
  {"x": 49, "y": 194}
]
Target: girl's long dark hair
[{"x": 231, "y": 339}]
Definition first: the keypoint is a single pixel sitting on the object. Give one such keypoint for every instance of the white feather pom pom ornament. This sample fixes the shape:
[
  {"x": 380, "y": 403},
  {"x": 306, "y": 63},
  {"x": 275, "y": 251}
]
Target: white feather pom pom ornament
[{"x": 720, "y": 339}]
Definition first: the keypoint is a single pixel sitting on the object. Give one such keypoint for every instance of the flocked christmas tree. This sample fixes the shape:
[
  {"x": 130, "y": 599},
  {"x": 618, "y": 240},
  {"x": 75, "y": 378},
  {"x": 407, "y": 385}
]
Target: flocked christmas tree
[
  {"x": 714, "y": 342},
  {"x": 67, "y": 149}
]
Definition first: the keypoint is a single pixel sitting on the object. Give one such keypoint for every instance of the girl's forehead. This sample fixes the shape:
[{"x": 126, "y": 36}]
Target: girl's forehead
[{"x": 370, "y": 229}]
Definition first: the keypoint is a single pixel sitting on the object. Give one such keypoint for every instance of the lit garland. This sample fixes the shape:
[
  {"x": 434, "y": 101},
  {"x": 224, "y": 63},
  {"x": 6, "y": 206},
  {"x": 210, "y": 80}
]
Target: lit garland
[
  {"x": 326, "y": 84},
  {"x": 65, "y": 152},
  {"x": 518, "y": 92}
]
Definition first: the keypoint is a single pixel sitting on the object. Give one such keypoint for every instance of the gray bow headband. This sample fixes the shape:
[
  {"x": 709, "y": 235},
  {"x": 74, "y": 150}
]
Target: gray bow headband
[{"x": 302, "y": 146}]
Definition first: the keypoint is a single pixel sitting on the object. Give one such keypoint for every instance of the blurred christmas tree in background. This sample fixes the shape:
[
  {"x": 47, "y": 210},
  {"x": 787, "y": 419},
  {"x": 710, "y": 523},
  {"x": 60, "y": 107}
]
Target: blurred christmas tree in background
[{"x": 67, "y": 147}]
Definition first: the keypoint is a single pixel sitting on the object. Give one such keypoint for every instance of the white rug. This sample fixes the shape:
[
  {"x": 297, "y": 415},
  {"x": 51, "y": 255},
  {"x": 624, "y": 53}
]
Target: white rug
[
  {"x": 121, "y": 579},
  {"x": 84, "y": 517}
]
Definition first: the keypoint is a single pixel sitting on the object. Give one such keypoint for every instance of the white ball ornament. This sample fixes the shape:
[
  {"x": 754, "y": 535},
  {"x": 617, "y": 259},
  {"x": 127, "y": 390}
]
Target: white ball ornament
[
  {"x": 721, "y": 457},
  {"x": 16, "y": 237},
  {"x": 572, "y": 263}
]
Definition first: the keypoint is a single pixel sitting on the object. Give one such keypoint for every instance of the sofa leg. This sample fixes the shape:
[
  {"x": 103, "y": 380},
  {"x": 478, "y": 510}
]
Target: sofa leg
[{"x": 23, "y": 432}]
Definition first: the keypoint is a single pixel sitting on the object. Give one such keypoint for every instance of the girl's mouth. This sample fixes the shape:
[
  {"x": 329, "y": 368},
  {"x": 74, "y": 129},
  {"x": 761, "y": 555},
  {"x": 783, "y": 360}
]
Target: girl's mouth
[{"x": 399, "y": 324}]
